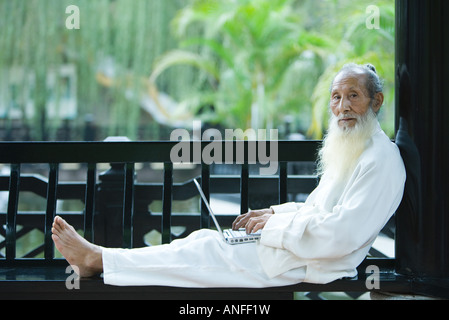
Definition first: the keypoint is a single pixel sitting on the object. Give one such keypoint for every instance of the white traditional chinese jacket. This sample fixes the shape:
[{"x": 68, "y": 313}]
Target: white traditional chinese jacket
[{"x": 331, "y": 233}]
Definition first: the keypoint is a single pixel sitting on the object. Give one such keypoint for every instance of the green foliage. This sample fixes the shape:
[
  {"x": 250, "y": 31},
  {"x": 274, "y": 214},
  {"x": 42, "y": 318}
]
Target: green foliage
[
  {"x": 277, "y": 58},
  {"x": 239, "y": 63},
  {"x": 113, "y": 52},
  {"x": 360, "y": 45}
]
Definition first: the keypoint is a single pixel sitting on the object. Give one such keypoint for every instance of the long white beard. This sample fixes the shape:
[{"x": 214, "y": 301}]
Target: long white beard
[{"x": 342, "y": 147}]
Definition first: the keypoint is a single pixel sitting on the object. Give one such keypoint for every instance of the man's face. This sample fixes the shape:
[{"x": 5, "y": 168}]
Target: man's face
[{"x": 350, "y": 99}]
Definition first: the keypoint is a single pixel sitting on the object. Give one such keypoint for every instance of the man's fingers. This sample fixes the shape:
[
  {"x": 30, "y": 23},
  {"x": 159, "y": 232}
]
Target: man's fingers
[
  {"x": 257, "y": 223},
  {"x": 251, "y": 225},
  {"x": 240, "y": 221},
  {"x": 243, "y": 220},
  {"x": 257, "y": 227}
]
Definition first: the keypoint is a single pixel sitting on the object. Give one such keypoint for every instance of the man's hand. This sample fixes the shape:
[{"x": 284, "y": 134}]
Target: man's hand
[{"x": 253, "y": 221}]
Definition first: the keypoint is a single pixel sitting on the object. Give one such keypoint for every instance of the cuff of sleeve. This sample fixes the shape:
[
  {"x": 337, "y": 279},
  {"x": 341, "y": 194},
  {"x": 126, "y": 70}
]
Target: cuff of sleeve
[
  {"x": 286, "y": 207},
  {"x": 272, "y": 233}
]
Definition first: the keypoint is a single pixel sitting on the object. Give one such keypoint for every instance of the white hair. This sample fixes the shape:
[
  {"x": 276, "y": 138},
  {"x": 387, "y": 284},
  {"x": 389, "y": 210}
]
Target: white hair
[
  {"x": 373, "y": 83},
  {"x": 342, "y": 147}
]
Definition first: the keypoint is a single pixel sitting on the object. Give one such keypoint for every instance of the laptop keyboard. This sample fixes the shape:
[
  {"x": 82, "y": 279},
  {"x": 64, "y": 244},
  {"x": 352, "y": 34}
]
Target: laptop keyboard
[
  {"x": 242, "y": 233},
  {"x": 239, "y": 233}
]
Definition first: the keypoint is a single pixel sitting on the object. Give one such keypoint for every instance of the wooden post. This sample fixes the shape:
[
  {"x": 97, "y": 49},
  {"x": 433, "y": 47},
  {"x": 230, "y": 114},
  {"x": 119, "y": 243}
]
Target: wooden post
[{"x": 422, "y": 122}]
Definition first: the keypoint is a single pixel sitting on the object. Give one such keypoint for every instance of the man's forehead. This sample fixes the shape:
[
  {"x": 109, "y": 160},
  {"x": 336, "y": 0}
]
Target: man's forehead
[{"x": 349, "y": 80}]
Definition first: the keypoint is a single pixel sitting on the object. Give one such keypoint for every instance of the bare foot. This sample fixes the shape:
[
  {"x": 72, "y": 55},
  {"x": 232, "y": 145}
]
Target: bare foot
[{"x": 77, "y": 250}]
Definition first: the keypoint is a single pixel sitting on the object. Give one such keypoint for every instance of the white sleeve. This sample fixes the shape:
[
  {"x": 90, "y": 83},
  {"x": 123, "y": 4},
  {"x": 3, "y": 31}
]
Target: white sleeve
[
  {"x": 287, "y": 207},
  {"x": 365, "y": 206}
]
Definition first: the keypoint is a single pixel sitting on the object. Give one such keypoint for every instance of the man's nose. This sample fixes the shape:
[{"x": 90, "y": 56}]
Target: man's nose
[{"x": 344, "y": 106}]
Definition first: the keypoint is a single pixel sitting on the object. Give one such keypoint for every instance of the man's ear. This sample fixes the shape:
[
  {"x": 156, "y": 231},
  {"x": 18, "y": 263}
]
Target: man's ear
[{"x": 378, "y": 101}]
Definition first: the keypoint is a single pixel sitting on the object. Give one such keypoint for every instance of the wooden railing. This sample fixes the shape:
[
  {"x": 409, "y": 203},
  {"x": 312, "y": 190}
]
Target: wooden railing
[{"x": 115, "y": 204}]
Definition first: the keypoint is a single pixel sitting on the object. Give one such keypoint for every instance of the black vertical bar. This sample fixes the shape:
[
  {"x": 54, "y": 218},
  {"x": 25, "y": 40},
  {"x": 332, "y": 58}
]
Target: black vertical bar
[
  {"x": 205, "y": 185},
  {"x": 13, "y": 202},
  {"x": 167, "y": 202},
  {"x": 52, "y": 189},
  {"x": 108, "y": 227},
  {"x": 283, "y": 182},
  {"x": 244, "y": 189},
  {"x": 422, "y": 116},
  {"x": 90, "y": 202},
  {"x": 128, "y": 206}
]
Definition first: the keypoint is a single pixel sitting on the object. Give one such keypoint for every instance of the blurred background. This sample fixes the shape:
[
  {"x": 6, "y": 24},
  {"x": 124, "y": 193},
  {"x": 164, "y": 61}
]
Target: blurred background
[
  {"x": 140, "y": 68},
  {"x": 85, "y": 70}
]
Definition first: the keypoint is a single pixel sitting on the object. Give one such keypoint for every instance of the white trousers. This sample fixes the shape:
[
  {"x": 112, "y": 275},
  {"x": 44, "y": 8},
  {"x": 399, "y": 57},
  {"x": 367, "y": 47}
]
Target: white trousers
[{"x": 200, "y": 260}]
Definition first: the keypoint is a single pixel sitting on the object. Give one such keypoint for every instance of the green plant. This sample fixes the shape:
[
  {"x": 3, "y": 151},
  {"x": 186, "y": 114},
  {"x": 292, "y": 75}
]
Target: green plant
[
  {"x": 359, "y": 45},
  {"x": 255, "y": 56},
  {"x": 264, "y": 59}
]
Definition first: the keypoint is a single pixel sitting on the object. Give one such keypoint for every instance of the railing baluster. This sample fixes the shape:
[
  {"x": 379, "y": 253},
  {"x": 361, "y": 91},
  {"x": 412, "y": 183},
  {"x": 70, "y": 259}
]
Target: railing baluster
[
  {"x": 205, "y": 185},
  {"x": 52, "y": 189},
  {"x": 282, "y": 182},
  {"x": 128, "y": 206},
  {"x": 244, "y": 189},
  {"x": 90, "y": 201},
  {"x": 167, "y": 202},
  {"x": 13, "y": 203}
]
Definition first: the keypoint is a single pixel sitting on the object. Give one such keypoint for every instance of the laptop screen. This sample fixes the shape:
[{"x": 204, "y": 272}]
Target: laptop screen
[{"x": 200, "y": 190}]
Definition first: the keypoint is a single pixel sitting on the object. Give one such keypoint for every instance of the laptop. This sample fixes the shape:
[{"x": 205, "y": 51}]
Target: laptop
[{"x": 228, "y": 235}]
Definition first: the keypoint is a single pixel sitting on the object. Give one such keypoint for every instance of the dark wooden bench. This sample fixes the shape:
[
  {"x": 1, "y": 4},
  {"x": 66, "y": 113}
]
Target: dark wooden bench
[
  {"x": 116, "y": 214},
  {"x": 43, "y": 280}
]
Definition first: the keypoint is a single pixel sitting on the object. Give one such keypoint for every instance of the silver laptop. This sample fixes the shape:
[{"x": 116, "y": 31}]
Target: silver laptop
[{"x": 229, "y": 236}]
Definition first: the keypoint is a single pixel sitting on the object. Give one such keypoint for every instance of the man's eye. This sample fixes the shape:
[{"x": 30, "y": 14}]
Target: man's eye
[
  {"x": 336, "y": 97},
  {"x": 353, "y": 95}
]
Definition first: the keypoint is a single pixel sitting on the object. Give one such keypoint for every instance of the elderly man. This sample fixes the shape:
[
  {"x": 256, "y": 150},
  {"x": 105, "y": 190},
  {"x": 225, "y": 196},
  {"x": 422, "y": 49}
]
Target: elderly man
[{"x": 321, "y": 240}]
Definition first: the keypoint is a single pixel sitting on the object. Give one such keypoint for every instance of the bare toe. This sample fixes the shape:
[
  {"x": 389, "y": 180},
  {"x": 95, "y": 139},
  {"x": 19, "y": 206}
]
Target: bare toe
[{"x": 75, "y": 249}]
